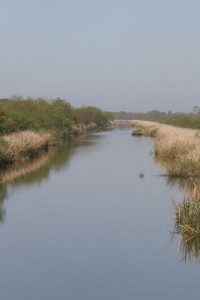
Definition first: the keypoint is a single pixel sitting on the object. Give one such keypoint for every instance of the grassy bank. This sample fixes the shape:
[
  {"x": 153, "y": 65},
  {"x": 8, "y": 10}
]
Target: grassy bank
[
  {"x": 178, "y": 149},
  {"x": 24, "y": 144},
  {"x": 29, "y": 126},
  {"x": 187, "y": 224},
  {"x": 187, "y": 215}
]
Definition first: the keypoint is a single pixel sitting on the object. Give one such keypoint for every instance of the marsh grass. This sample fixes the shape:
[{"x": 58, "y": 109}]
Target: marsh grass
[
  {"x": 190, "y": 249},
  {"x": 145, "y": 128},
  {"x": 24, "y": 144},
  {"x": 177, "y": 148},
  {"x": 187, "y": 224},
  {"x": 187, "y": 218},
  {"x": 178, "y": 151}
]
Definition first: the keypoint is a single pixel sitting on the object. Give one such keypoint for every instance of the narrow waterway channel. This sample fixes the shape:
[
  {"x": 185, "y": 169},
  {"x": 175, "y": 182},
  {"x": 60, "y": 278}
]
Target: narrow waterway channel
[{"x": 93, "y": 222}]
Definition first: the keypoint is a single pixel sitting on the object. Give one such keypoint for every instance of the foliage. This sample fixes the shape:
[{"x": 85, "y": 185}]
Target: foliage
[
  {"x": 91, "y": 114},
  {"x": 28, "y": 126},
  {"x": 3, "y": 152},
  {"x": 58, "y": 116}
]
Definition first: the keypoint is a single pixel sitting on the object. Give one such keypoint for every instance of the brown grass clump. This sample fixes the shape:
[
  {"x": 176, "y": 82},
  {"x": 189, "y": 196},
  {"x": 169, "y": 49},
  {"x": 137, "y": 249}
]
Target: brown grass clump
[
  {"x": 25, "y": 144},
  {"x": 178, "y": 148},
  {"x": 145, "y": 128},
  {"x": 187, "y": 224}
]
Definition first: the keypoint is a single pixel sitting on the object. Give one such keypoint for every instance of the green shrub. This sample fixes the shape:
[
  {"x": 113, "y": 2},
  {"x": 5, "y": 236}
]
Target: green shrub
[
  {"x": 58, "y": 116},
  {"x": 3, "y": 152}
]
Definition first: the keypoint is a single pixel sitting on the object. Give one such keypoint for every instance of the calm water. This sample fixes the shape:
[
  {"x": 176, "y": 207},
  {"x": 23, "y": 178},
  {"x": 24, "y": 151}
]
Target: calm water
[{"x": 85, "y": 226}]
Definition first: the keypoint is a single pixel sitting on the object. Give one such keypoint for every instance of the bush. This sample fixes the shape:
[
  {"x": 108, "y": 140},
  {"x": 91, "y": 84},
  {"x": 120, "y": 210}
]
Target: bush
[{"x": 58, "y": 116}]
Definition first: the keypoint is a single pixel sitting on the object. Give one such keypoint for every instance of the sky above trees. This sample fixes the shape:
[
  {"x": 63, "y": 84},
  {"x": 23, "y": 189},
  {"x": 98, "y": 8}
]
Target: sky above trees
[{"x": 133, "y": 55}]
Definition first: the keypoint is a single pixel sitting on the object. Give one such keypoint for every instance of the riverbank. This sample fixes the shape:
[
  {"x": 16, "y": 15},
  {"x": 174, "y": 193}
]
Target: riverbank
[
  {"x": 177, "y": 149},
  {"x": 29, "y": 126},
  {"x": 25, "y": 145}
]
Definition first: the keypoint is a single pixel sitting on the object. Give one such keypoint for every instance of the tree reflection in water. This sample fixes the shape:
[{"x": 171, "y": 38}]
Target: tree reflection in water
[
  {"x": 38, "y": 169},
  {"x": 3, "y": 196}
]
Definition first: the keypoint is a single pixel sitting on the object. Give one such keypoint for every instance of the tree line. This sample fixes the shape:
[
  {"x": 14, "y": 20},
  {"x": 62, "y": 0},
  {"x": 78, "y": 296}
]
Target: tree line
[
  {"x": 188, "y": 120},
  {"x": 18, "y": 114}
]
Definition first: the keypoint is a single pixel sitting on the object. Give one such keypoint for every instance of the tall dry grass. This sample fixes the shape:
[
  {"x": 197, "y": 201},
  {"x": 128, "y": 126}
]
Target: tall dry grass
[
  {"x": 187, "y": 224},
  {"x": 178, "y": 148},
  {"x": 178, "y": 151},
  {"x": 24, "y": 144},
  {"x": 145, "y": 128}
]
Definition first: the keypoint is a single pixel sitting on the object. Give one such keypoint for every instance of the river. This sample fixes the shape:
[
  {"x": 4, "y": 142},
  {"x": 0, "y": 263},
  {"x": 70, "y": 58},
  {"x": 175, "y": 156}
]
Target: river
[{"x": 93, "y": 222}]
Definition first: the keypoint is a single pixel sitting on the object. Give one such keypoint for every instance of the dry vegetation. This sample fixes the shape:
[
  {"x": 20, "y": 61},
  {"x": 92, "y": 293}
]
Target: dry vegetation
[
  {"x": 187, "y": 223},
  {"x": 145, "y": 128},
  {"x": 178, "y": 151},
  {"x": 178, "y": 148},
  {"x": 27, "y": 126},
  {"x": 24, "y": 144}
]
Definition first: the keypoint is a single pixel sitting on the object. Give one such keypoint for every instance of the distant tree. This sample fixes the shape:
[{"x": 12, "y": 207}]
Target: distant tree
[{"x": 195, "y": 109}]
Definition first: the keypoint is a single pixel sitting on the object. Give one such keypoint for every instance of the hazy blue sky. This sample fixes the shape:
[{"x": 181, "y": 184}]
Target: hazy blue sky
[{"x": 134, "y": 55}]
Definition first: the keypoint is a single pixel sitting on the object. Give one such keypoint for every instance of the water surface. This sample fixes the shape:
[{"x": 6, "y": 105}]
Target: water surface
[{"x": 85, "y": 226}]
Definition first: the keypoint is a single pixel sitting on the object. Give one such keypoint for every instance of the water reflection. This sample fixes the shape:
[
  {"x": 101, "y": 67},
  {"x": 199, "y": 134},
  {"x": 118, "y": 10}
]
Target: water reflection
[
  {"x": 93, "y": 230},
  {"x": 24, "y": 172},
  {"x": 3, "y": 196},
  {"x": 40, "y": 168},
  {"x": 189, "y": 249},
  {"x": 189, "y": 186}
]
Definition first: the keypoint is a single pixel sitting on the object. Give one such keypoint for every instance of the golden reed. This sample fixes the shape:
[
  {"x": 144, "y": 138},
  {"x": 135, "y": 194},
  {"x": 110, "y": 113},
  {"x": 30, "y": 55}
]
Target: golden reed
[{"x": 177, "y": 148}]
